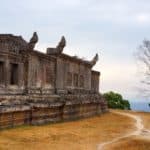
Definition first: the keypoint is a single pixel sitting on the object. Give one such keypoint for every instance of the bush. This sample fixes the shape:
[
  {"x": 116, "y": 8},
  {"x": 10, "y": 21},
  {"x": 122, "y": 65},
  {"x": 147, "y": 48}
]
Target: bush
[{"x": 116, "y": 101}]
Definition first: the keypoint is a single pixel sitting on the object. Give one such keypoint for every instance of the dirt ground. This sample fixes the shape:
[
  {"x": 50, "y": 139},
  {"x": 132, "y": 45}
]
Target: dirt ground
[
  {"x": 134, "y": 143},
  {"x": 145, "y": 117},
  {"x": 85, "y": 134},
  {"x": 141, "y": 142}
]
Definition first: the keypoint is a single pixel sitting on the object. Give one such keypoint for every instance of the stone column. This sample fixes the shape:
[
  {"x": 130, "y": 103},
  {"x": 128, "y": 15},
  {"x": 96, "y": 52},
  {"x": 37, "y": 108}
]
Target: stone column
[
  {"x": 20, "y": 75},
  {"x": 7, "y": 73}
]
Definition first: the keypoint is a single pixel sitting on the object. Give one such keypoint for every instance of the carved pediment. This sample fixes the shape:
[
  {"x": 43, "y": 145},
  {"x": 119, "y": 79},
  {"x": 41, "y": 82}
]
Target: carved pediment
[{"x": 11, "y": 43}]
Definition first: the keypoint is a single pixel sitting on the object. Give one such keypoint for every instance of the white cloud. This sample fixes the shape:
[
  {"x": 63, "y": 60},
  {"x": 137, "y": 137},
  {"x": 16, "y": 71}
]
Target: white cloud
[
  {"x": 143, "y": 18},
  {"x": 119, "y": 77}
]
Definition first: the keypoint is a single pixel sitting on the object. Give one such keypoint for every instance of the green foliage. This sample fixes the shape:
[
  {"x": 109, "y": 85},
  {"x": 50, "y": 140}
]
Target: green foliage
[{"x": 116, "y": 101}]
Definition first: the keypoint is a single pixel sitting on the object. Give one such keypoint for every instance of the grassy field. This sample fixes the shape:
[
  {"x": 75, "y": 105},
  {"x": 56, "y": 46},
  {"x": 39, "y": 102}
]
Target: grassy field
[{"x": 85, "y": 134}]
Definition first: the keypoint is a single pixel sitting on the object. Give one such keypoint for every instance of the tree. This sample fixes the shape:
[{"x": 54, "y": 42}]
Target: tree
[
  {"x": 116, "y": 101},
  {"x": 143, "y": 55}
]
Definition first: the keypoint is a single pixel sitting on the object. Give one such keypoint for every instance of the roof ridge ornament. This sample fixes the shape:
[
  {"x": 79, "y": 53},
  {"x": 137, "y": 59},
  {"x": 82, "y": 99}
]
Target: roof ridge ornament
[
  {"x": 33, "y": 41},
  {"x": 95, "y": 59},
  {"x": 59, "y": 48},
  {"x": 61, "y": 45}
]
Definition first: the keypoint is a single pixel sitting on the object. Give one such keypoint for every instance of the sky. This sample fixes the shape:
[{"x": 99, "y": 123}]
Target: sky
[{"x": 112, "y": 28}]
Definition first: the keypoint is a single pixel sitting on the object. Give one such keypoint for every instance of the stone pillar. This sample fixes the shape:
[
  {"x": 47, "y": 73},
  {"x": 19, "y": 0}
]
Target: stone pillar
[
  {"x": 26, "y": 71},
  {"x": 20, "y": 75},
  {"x": 7, "y": 73}
]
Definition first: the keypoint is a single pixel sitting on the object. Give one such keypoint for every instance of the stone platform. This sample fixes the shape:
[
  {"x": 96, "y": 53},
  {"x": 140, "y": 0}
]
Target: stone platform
[{"x": 35, "y": 110}]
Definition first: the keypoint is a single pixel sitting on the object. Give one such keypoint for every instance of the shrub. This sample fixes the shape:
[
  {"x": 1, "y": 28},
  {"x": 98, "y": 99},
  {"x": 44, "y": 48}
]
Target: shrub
[{"x": 116, "y": 101}]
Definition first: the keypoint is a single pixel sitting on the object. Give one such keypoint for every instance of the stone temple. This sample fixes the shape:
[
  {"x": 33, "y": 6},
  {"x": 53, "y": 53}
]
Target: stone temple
[{"x": 38, "y": 87}]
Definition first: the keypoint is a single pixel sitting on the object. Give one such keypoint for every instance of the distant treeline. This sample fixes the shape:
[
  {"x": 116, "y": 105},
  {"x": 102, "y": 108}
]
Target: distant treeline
[{"x": 116, "y": 101}]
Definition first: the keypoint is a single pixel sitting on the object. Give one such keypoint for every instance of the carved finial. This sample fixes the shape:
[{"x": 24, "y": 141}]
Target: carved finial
[
  {"x": 94, "y": 60},
  {"x": 61, "y": 45},
  {"x": 34, "y": 38},
  {"x": 33, "y": 41}
]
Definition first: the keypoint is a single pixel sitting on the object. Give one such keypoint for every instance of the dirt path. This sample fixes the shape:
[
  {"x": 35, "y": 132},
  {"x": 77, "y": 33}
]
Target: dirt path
[{"x": 140, "y": 130}]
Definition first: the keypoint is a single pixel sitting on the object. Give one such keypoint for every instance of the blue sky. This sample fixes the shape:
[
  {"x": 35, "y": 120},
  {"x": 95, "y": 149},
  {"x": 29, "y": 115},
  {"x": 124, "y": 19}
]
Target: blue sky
[{"x": 113, "y": 28}]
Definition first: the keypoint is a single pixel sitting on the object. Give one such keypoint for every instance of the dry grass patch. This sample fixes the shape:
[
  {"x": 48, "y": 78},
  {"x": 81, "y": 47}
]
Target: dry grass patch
[
  {"x": 140, "y": 142},
  {"x": 144, "y": 115},
  {"x": 82, "y": 135},
  {"x": 131, "y": 144}
]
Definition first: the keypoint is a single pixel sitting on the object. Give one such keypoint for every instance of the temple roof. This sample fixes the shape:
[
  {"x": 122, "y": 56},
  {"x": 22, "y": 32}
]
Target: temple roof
[
  {"x": 10, "y": 37},
  {"x": 17, "y": 43},
  {"x": 75, "y": 59},
  {"x": 11, "y": 43}
]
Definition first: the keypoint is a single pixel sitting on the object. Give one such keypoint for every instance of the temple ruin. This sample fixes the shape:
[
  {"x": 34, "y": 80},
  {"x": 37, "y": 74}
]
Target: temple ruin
[{"x": 38, "y": 87}]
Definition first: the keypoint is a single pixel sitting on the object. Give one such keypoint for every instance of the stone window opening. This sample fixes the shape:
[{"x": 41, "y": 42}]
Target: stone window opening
[
  {"x": 81, "y": 81},
  {"x": 48, "y": 74},
  {"x": 13, "y": 74},
  {"x": 69, "y": 79},
  {"x": 1, "y": 72},
  {"x": 34, "y": 77},
  {"x": 75, "y": 80}
]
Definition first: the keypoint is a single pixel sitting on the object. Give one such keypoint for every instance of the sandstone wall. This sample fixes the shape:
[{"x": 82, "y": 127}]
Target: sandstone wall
[
  {"x": 40, "y": 110},
  {"x": 95, "y": 81},
  {"x": 11, "y": 74},
  {"x": 72, "y": 75},
  {"x": 41, "y": 75}
]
